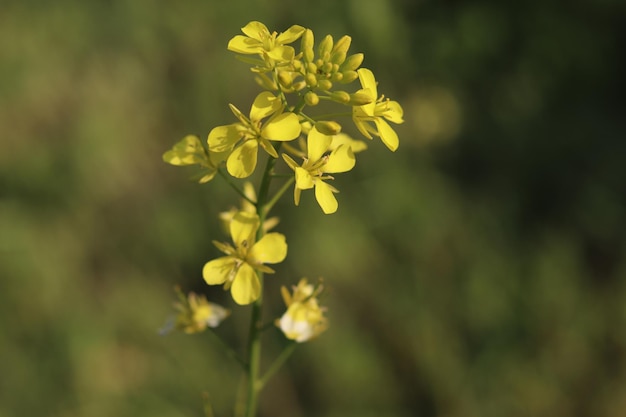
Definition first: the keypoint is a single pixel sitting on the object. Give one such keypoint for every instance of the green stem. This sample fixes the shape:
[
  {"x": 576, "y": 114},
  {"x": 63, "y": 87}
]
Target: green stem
[
  {"x": 234, "y": 187},
  {"x": 254, "y": 347},
  {"x": 277, "y": 364},
  {"x": 229, "y": 351},
  {"x": 279, "y": 193}
]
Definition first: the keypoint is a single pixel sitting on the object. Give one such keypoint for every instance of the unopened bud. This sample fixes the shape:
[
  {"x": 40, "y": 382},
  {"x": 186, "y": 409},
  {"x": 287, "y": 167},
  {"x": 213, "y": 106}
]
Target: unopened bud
[
  {"x": 324, "y": 85},
  {"x": 311, "y": 67},
  {"x": 336, "y": 77},
  {"x": 311, "y": 99},
  {"x": 360, "y": 99},
  {"x": 311, "y": 79},
  {"x": 265, "y": 82},
  {"x": 326, "y": 45},
  {"x": 328, "y": 127},
  {"x": 308, "y": 42},
  {"x": 342, "y": 46},
  {"x": 349, "y": 76},
  {"x": 340, "y": 97},
  {"x": 285, "y": 79},
  {"x": 352, "y": 62}
]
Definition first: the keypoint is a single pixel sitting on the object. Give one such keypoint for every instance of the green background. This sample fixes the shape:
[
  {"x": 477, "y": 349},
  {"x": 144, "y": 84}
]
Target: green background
[{"x": 478, "y": 271}]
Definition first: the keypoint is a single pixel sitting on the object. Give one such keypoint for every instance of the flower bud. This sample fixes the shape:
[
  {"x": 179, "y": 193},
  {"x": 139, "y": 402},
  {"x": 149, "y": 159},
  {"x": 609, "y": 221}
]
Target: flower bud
[
  {"x": 311, "y": 79},
  {"x": 311, "y": 67},
  {"x": 336, "y": 77},
  {"x": 326, "y": 45},
  {"x": 324, "y": 85},
  {"x": 285, "y": 79},
  {"x": 265, "y": 82},
  {"x": 307, "y": 45},
  {"x": 360, "y": 99},
  {"x": 349, "y": 76},
  {"x": 299, "y": 85},
  {"x": 327, "y": 67},
  {"x": 328, "y": 127},
  {"x": 340, "y": 97},
  {"x": 311, "y": 99},
  {"x": 341, "y": 48},
  {"x": 352, "y": 62}
]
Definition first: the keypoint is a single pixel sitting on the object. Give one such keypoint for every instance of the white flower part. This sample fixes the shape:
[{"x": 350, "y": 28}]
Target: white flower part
[
  {"x": 218, "y": 314},
  {"x": 298, "y": 330}
]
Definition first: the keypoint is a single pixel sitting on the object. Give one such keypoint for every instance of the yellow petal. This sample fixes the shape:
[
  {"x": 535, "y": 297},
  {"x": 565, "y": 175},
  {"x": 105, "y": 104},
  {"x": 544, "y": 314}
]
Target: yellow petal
[
  {"x": 393, "y": 112},
  {"x": 304, "y": 180},
  {"x": 282, "y": 53},
  {"x": 340, "y": 160},
  {"x": 223, "y": 138},
  {"x": 217, "y": 271},
  {"x": 242, "y": 162},
  {"x": 387, "y": 134},
  {"x": 283, "y": 127},
  {"x": 325, "y": 198},
  {"x": 368, "y": 81},
  {"x": 264, "y": 104},
  {"x": 243, "y": 228},
  {"x": 271, "y": 249},
  {"x": 290, "y": 35},
  {"x": 344, "y": 139},
  {"x": 246, "y": 287},
  {"x": 245, "y": 45},
  {"x": 317, "y": 144},
  {"x": 255, "y": 30},
  {"x": 289, "y": 161}
]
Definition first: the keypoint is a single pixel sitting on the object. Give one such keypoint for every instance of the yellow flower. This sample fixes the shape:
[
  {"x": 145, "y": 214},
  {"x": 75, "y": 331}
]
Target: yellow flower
[
  {"x": 316, "y": 166},
  {"x": 237, "y": 270},
  {"x": 244, "y": 138},
  {"x": 189, "y": 151},
  {"x": 195, "y": 313},
  {"x": 304, "y": 319},
  {"x": 271, "y": 46},
  {"x": 378, "y": 111}
]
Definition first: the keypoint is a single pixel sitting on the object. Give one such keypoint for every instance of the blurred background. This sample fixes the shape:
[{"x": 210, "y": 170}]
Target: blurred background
[{"x": 478, "y": 271}]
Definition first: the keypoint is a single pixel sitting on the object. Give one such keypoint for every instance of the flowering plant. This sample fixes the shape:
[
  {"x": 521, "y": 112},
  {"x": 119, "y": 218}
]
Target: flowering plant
[{"x": 313, "y": 149}]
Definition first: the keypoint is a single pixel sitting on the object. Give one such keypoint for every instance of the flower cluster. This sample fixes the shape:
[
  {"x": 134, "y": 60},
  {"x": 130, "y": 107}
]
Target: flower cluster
[
  {"x": 310, "y": 75},
  {"x": 300, "y": 150}
]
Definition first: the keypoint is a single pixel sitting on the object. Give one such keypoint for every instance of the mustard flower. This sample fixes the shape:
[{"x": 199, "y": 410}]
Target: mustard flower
[
  {"x": 237, "y": 270},
  {"x": 244, "y": 138},
  {"x": 189, "y": 151},
  {"x": 378, "y": 111},
  {"x": 304, "y": 319},
  {"x": 316, "y": 167},
  {"x": 195, "y": 313},
  {"x": 271, "y": 46}
]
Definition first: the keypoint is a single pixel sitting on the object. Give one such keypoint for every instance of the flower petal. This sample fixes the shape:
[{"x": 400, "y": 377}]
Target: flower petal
[
  {"x": 243, "y": 228},
  {"x": 242, "y": 162},
  {"x": 217, "y": 271},
  {"x": 271, "y": 249},
  {"x": 283, "y": 127},
  {"x": 246, "y": 287},
  {"x": 317, "y": 144},
  {"x": 366, "y": 77},
  {"x": 340, "y": 160},
  {"x": 393, "y": 112},
  {"x": 264, "y": 104},
  {"x": 325, "y": 198},
  {"x": 304, "y": 180},
  {"x": 255, "y": 30},
  {"x": 387, "y": 134},
  {"x": 223, "y": 138},
  {"x": 245, "y": 45},
  {"x": 282, "y": 53},
  {"x": 290, "y": 35}
]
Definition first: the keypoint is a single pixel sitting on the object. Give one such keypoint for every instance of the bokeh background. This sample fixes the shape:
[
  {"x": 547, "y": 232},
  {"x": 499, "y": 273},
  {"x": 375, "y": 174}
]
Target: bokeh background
[{"x": 478, "y": 271}]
